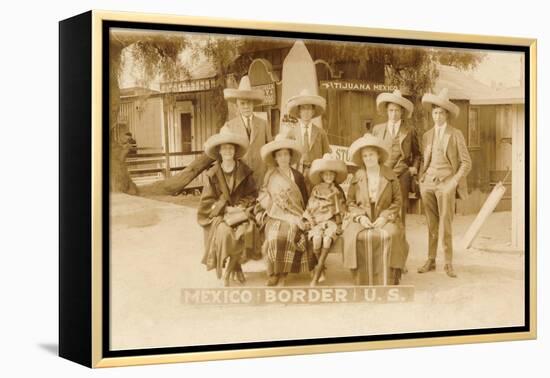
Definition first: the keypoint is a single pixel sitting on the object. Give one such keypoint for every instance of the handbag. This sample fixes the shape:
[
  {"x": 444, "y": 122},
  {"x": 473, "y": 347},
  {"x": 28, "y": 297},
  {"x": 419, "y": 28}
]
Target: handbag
[{"x": 235, "y": 216}]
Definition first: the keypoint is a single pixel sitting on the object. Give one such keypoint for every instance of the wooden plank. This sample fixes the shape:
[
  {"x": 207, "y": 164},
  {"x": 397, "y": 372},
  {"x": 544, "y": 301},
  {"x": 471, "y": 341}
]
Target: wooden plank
[
  {"x": 487, "y": 129},
  {"x": 142, "y": 162},
  {"x": 163, "y": 154}
]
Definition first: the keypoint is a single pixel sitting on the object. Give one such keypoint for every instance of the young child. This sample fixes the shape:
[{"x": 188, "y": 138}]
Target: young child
[{"x": 325, "y": 208}]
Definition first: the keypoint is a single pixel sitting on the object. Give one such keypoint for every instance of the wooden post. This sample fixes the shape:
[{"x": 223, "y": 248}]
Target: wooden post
[
  {"x": 166, "y": 144},
  {"x": 518, "y": 176}
]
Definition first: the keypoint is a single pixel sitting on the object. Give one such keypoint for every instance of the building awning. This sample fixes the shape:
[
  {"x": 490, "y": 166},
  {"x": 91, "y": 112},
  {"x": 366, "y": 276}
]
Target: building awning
[{"x": 463, "y": 86}]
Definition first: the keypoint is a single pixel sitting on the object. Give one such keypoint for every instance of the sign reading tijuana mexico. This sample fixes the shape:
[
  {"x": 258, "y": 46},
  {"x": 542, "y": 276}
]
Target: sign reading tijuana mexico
[{"x": 356, "y": 85}]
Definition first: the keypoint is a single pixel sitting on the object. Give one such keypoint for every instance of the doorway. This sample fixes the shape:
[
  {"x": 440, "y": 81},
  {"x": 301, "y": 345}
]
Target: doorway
[{"x": 186, "y": 138}]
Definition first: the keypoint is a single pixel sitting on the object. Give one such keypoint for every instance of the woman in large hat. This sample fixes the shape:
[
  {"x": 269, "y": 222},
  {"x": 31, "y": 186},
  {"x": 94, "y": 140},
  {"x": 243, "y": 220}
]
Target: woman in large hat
[
  {"x": 374, "y": 245},
  {"x": 225, "y": 208},
  {"x": 281, "y": 204}
]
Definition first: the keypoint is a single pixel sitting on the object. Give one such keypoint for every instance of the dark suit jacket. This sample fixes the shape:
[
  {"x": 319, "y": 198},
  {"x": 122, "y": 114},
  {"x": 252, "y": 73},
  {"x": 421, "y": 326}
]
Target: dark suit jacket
[
  {"x": 260, "y": 135},
  {"x": 457, "y": 155},
  {"x": 410, "y": 149},
  {"x": 318, "y": 145}
]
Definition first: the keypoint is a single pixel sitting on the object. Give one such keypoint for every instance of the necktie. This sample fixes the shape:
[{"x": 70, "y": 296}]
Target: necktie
[
  {"x": 248, "y": 126},
  {"x": 306, "y": 144}
]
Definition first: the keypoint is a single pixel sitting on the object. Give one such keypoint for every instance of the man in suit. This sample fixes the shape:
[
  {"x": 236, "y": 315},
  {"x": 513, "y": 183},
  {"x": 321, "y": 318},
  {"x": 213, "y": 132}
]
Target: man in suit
[
  {"x": 312, "y": 138},
  {"x": 443, "y": 174},
  {"x": 256, "y": 130},
  {"x": 401, "y": 139}
]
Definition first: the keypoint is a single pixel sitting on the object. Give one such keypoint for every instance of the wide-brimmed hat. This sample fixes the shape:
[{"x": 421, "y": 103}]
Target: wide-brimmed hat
[
  {"x": 212, "y": 144},
  {"x": 368, "y": 140},
  {"x": 281, "y": 141},
  {"x": 441, "y": 100},
  {"x": 244, "y": 92},
  {"x": 395, "y": 98},
  {"x": 329, "y": 162},
  {"x": 306, "y": 97}
]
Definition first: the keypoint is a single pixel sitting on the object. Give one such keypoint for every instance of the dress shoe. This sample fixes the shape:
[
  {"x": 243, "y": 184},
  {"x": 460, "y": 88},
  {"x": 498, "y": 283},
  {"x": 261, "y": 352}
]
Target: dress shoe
[
  {"x": 428, "y": 266},
  {"x": 450, "y": 271}
]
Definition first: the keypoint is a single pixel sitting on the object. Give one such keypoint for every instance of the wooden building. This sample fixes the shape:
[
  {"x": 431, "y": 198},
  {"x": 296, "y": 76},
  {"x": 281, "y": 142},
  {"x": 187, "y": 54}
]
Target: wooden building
[
  {"x": 492, "y": 121},
  {"x": 177, "y": 119}
]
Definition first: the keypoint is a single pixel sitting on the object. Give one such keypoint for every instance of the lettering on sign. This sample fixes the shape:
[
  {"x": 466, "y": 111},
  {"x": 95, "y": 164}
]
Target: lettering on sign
[
  {"x": 270, "y": 93},
  {"x": 297, "y": 295},
  {"x": 352, "y": 85}
]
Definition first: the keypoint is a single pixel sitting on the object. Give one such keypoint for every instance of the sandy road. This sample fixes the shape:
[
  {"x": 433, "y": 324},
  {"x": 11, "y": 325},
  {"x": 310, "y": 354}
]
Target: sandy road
[{"x": 156, "y": 249}]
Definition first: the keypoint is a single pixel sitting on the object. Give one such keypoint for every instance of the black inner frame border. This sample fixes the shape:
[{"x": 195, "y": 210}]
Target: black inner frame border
[{"x": 106, "y": 352}]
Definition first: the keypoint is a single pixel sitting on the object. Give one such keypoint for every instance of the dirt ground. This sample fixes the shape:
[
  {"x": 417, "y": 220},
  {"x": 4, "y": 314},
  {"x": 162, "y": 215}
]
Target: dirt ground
[{"x": 156, "y": 247}]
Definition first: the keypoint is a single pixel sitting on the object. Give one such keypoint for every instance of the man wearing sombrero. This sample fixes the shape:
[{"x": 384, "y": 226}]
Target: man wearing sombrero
[
  {"x": 400, "y": 135},
  {"x": 313, "y": 139},
  {"x": 442, "y": 177},
  {"x": 255, "y": 129}
]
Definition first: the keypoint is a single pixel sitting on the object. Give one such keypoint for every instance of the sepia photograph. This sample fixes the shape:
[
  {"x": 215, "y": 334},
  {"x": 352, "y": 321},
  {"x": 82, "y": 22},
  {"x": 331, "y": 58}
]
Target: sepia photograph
[{"x": 277, "y": 189}]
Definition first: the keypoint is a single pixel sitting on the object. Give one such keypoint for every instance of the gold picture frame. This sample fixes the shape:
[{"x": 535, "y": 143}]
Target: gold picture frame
[{"x": 83, "y": 240}]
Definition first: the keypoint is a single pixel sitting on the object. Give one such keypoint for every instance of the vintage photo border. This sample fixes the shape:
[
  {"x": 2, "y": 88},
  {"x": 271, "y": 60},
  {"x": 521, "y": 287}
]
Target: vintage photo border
[{"x": 102, "y": 356}]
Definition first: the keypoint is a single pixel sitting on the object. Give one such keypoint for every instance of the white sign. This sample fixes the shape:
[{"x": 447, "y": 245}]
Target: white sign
[{"x": 351, "y": 85}]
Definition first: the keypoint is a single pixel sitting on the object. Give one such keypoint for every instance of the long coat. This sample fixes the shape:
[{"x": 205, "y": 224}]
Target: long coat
[
  {"x": 456, "y": 153},
  {"x": 260, "y": 134},
  {"x": 408, "y": 142},
  {"x": 215, "y": 198},
  {"x": 388, "y": 205}
]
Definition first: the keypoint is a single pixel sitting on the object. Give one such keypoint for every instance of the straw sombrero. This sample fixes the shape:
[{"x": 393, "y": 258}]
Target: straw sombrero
[
  {"x": 212, "y": 144},
  {"x": 244, "y": 92},
  {"x": 395, "y": 98},
  {"x": 280, "y": 142},
  {"x": 306, "y": 97},
  {"x": 441, "y": 100},
  {"x": 368, "y": 140},
  {"x": 328, "y": 163}
]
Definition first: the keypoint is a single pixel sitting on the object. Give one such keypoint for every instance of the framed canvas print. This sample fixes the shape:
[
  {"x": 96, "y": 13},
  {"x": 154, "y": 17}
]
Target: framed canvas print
[{"x": 235, "y": 189}]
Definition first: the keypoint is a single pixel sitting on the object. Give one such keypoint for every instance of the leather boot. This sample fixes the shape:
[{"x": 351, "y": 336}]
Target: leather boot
[
  {"x": 227, "y": 279},
  {"x": 273, "y": 280},
  {"x": 395, "y": 276},
  {"x": 282, "y": 279}
]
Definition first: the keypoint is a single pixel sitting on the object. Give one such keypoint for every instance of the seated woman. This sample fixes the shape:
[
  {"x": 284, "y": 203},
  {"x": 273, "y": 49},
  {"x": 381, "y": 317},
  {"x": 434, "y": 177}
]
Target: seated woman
[
  {"x": 281, "y": 203},
  {"x": 226, "y": 208},
  {"x": 375, "y": 248}
]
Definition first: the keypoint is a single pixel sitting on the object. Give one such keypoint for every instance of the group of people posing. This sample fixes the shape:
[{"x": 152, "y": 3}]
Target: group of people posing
[{"x": 280, "y": 199}]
